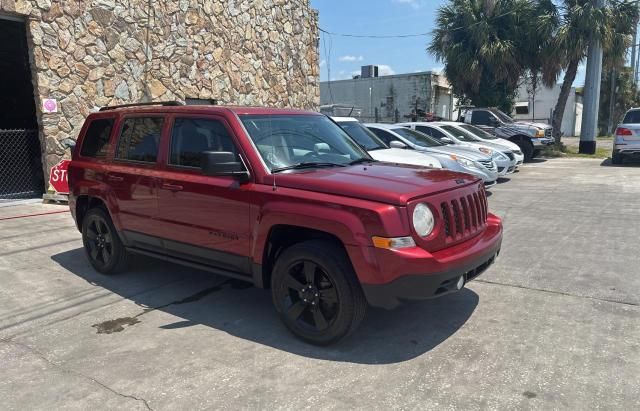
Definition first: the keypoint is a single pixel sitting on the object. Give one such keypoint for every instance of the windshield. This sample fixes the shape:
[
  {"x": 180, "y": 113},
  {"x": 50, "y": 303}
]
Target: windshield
[
  {"x": 417, "y": 138},
  {"x": 460, "y": 134},
  {"x": 502, "y": 116},
  {"x": 362, "y": 135},
  {"x": 632, "y": 117},
  {"x": 478, "y": 132},
  {"x": 288, "y": 140}
]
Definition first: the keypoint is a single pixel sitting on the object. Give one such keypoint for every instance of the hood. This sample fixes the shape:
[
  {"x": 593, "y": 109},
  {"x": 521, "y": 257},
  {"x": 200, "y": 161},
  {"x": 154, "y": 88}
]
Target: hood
[
  {"x": 403, "y": 156},
  {"x": 380, "y": 182},
  {"x": 496, "y": 146},
  {"x": 506, "y": 143},
  {"x": 469, "y": 152},
  {"x": 529, "y": 124}
]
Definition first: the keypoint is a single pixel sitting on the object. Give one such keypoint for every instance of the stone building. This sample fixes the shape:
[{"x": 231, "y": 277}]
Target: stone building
[{"x": 84, "y": 54}]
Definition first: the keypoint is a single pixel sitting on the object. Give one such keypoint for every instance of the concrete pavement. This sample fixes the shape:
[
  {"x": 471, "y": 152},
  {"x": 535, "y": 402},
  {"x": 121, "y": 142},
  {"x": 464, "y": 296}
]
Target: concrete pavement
[{"x": 555, "y": 323}]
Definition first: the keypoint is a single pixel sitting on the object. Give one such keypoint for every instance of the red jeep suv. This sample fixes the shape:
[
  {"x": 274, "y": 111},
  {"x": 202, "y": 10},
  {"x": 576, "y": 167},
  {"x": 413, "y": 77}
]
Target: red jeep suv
[{"x": 283, "y": 199}]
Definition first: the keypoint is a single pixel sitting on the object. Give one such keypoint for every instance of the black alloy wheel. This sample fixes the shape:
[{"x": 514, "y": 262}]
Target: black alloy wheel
[
  {"x": 312, "y": 299},
  {"x": 105, "y": 251},
  {"x": 317, "y": 293}
]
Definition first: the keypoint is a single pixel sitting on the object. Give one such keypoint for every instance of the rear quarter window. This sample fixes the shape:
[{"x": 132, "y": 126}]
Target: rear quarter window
[
  {"x": 139, "y": 139},
  {"x": 96, "y": 139},
  {"x": 632, "y": 117}
]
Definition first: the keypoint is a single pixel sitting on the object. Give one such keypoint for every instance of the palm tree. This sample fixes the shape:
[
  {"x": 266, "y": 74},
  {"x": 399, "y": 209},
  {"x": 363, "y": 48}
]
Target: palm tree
[
  {"x": 579, "y": 20},
  {"x": 481, "y": 43}
]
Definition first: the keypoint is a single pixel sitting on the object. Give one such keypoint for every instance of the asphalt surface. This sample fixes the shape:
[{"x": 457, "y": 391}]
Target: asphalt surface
[{"x": 554, "y": 324}]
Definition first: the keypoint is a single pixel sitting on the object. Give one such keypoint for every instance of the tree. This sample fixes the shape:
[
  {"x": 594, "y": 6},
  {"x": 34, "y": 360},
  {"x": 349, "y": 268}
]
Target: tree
[
  {"x": 625, "y": 95},
  {"x": 482, "y": 45},
  {"x": 578, "y": 21}
]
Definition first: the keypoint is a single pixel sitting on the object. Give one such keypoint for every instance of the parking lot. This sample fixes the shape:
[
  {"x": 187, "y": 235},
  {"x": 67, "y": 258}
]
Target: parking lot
[{"x": 555, "y": 323}]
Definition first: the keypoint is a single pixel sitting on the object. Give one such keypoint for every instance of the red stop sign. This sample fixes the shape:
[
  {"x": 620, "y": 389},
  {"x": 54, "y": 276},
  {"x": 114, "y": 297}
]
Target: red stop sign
[{"x": 58, "y": 177}]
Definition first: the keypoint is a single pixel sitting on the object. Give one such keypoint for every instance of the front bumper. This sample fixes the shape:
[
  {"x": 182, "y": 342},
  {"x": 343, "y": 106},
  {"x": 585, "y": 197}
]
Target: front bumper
[
  {"x": 415, "y": 274},
  {"x": 543, "y": 142}
]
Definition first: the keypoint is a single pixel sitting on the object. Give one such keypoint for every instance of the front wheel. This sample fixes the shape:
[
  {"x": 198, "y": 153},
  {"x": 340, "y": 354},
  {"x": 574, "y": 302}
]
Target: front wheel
[
  {"x": 316, "y": 292},
  {"x": 527, "y": 149},
  {"x": 103, "y": 247}
]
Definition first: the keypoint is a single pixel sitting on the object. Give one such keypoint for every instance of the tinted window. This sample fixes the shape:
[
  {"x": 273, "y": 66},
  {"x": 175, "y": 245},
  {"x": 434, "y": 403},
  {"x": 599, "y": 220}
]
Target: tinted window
[
  {"x": 139, "y": 139},
  {"x": 461, "y": 134},
  {"x": 383, "y": 135},
  {"x": 424, "y": 130},
  {"x": 190, "y": 137},
  {"x": 416, "y": 137},
  {"x": 362, "y": 135},
  {"x": 478, "y": 132},
  {"x": 632, "y": 117},
  {"x": 480, "y": 117},
  {"x": 430, "y": 131},
  {"x": 96, "y": 139}
]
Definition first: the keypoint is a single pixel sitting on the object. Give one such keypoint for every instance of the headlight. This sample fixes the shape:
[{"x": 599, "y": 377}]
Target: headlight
[
  {"x": 464, "y": 162},
  {"x": 540, "y": 133},
  {"x": 486, "y": 150},
  {"x": 423, "y": 221}
]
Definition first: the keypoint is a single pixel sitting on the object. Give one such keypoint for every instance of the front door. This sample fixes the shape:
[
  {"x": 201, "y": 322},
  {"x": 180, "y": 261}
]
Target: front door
[
  {"x": 204, "y": 218},
  {"x": 133, "y": 178}
]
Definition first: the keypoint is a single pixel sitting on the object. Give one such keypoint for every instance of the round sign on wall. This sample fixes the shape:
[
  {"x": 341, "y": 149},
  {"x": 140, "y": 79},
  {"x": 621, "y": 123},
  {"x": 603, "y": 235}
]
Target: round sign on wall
[{"x": 58, "y": 177}]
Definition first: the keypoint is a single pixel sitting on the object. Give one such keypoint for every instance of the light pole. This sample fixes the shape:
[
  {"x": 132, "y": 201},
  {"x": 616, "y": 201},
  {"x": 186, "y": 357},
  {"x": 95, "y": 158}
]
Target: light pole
[{"x": 592, "y": 93}]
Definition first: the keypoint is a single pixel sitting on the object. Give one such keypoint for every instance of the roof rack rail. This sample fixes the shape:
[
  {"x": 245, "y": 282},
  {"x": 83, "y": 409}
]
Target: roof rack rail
[{"x": 153, "y": 103}]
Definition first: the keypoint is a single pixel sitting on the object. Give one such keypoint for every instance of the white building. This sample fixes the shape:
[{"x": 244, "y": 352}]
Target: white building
[{"x": 541, "y": 108}]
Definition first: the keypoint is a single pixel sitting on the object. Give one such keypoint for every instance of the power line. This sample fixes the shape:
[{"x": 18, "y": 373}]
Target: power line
[{"x": 397, "y": 36}]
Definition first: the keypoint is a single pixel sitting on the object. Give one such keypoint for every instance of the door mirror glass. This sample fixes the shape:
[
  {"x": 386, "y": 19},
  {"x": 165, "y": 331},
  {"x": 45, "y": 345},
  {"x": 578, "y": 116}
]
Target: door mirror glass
[
  {"x": 222, "y": 163},
  {"x": 397, "y": 144}
]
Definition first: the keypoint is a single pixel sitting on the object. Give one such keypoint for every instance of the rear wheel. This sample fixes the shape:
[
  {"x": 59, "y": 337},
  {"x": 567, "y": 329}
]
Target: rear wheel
[
  {"x": 316, "y": 292},
  {"x": 103, "y": 247},
  {"x": 616, "y": 158}
]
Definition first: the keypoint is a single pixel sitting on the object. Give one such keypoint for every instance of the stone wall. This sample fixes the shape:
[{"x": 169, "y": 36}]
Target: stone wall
[{"x": 88, "y": 54}]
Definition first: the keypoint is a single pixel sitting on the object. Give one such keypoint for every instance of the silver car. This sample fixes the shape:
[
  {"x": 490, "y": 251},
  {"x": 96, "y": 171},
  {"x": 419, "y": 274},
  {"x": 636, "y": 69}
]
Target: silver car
[
  {"x": 451, "y": 158},
  {"x": 446, "y": 132},
  {"x": 627, "y": 139}
]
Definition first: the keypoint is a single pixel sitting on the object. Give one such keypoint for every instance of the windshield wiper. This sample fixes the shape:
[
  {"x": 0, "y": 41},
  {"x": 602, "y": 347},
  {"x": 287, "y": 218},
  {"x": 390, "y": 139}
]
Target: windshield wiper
[
  {"x": 309, "y": 164},
  {"x": 361, "y": 160}
]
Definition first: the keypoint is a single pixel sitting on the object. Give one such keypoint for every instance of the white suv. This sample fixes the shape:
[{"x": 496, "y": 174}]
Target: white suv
[{"x": 627, "y": 139}]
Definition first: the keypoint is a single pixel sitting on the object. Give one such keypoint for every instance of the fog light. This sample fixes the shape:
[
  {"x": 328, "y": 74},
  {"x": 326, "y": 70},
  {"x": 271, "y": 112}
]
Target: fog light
[{"x": 460, "y": 282}]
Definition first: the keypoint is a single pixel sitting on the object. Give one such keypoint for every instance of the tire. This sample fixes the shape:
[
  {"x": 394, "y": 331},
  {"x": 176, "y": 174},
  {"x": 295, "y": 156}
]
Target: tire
[
  {"x": 316, "y": 293},
  {"x": 103, "y": 246},
  {"x": 616, "y": 158},
  {"x": 527, "y": 149}
]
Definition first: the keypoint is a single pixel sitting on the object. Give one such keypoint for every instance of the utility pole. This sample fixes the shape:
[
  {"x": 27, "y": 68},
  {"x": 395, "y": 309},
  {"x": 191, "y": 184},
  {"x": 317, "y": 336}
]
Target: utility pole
[
  {"x": 592, "y": 93},
  {"x": 633, "y": 51},
  {"x": 612, "y": 101}
]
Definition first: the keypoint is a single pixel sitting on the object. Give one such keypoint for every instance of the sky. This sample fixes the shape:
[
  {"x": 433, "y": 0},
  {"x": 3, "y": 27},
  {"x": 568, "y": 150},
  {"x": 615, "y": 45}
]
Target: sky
[{"x": 343, "y": 56}]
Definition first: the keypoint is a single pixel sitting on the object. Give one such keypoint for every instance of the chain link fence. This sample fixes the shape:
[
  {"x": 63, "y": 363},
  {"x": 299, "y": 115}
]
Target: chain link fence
[{"x": 21, "y": 173}]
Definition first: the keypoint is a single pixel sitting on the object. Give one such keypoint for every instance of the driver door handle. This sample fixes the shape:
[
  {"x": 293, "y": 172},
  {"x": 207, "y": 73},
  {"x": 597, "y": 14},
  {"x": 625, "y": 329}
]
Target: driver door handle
[{"x": 172, "y": 187}]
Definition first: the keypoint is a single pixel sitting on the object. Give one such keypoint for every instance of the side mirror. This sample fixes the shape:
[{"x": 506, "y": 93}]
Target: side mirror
[
  {"x": 493, "y": 122},
  {"x": 223, "y": 163},
  {"x": 446, "y": 140},
  {"x": 397, "y": 144}
]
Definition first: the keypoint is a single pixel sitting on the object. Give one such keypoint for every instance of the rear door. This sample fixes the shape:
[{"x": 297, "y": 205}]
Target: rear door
[
  {"x": 134, "y": 178},
  {"x": 203, "y": 218}
]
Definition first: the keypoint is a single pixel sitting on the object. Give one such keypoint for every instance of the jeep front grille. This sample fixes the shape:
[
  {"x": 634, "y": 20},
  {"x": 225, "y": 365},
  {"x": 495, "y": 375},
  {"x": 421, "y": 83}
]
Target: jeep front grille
[{"x": 464, "y": 216}]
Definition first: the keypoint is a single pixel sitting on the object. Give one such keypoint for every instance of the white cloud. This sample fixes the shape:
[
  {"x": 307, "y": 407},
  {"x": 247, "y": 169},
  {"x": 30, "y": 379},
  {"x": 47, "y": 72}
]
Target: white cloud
[
  {"x": 323, "y": 63},
  {"x": 351, "y": 58},
  {"x": 416, "y": 4},
  {"x": 384, "y": 70}
]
